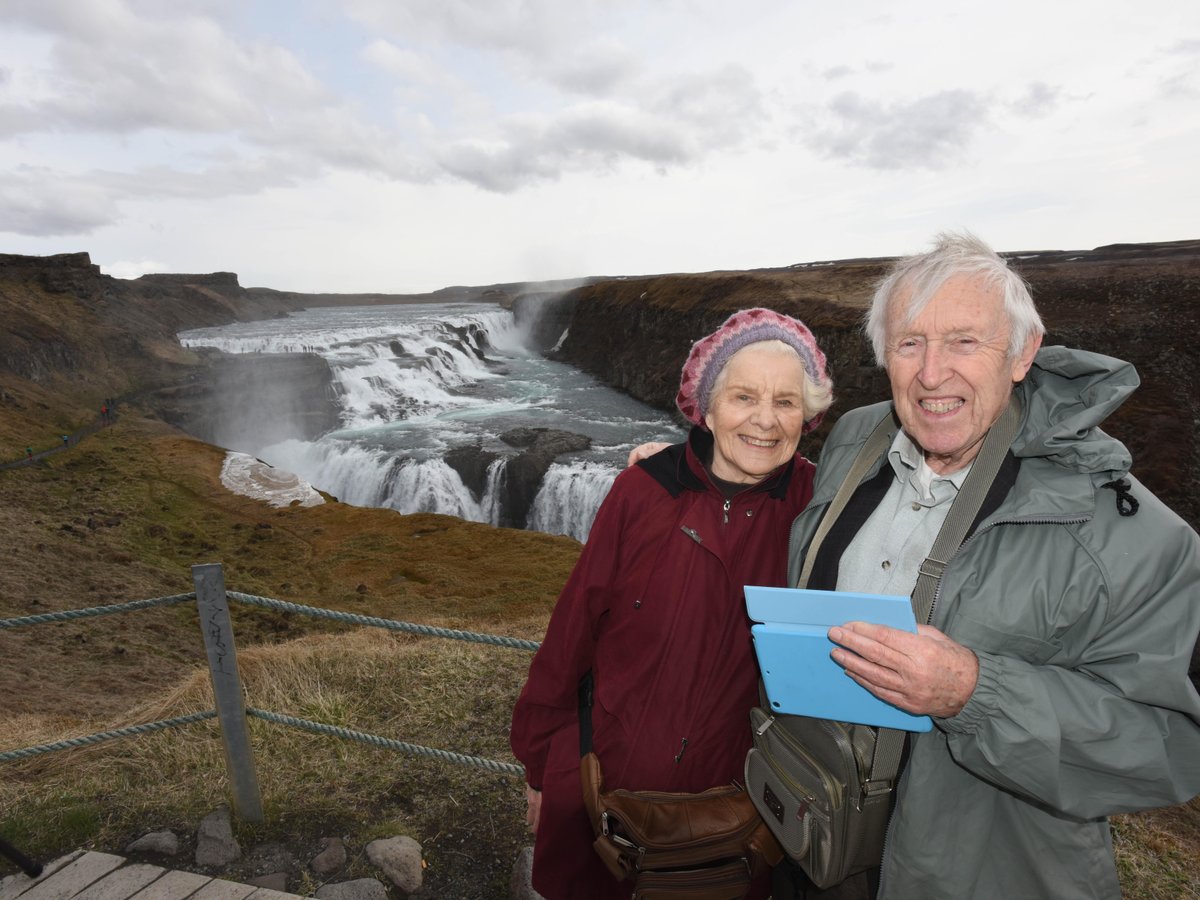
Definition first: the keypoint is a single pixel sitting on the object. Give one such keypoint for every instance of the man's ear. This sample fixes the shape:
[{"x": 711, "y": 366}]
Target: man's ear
[{"x": 1020, "y": 365}]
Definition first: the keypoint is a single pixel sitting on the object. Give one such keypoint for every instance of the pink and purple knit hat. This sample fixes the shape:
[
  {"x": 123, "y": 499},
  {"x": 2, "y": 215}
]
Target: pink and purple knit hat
[{"x": 749, "y": 326}]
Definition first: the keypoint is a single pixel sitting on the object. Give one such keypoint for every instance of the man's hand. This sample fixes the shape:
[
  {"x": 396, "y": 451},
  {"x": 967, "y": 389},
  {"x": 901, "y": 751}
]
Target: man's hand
[
  {"x": 533, "y": 808},
  {"x": 924, "y": 673},
  {"x": 644, "y": 451}
]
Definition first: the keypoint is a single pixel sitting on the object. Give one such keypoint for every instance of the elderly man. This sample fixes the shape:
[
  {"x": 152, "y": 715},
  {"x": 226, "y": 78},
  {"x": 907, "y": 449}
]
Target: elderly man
[{"x": 1055, "y": 662}]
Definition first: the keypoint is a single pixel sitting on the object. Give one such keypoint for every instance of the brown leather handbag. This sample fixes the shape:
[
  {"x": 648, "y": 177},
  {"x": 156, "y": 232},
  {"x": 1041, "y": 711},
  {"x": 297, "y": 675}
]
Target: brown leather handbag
[{"x": 706, "y": 846}]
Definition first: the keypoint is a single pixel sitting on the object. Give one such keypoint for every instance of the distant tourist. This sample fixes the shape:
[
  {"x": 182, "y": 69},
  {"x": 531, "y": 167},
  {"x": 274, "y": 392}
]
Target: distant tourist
[{"x": 654, "y": 608}]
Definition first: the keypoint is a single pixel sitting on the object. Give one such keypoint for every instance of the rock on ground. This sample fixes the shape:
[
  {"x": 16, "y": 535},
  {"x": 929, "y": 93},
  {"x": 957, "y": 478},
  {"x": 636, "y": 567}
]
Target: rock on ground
[
  {"x": 331, "y": 858},
  {"x": 400, "y": 860},
  {"x": 215, "y": 843},
  {"x": 165, "y": 843}
]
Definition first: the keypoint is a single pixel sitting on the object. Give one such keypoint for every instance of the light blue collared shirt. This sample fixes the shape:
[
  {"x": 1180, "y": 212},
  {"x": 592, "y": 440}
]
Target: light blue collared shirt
[{"x": 885, "y": 556}]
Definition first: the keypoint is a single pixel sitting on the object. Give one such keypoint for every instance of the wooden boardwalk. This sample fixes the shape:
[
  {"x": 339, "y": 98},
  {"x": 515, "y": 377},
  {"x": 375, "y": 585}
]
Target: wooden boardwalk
[{"x": 88, "y": 875}]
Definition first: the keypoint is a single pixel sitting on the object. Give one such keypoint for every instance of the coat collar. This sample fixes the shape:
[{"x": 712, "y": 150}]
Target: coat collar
[{"x": 681, "y": 467}]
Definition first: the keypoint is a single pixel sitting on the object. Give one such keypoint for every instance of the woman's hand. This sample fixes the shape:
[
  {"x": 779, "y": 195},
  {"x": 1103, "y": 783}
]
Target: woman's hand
[
  {"x": 533, "y": 808},
  {"x": 645, "y": 451}
]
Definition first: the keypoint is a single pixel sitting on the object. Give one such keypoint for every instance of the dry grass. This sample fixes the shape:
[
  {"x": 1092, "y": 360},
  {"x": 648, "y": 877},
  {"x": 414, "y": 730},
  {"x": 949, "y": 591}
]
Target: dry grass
[{"x": 424, "y": 691}]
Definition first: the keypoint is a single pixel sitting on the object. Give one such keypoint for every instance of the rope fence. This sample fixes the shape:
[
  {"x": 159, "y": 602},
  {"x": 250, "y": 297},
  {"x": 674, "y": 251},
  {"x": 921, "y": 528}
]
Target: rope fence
[
  {"x": 390, "y": 624},
  {"x": 71, "y": 743},
  {"x": 211, "y": 599},
  {"x": 376, "y": 741},
  {"x": 68, "y": 615}
]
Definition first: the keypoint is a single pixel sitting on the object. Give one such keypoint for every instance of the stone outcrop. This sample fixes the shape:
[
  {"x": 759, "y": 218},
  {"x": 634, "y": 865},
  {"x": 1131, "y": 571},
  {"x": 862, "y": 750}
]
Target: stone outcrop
[
  {"x": 524, "y": 472},
  {"x": 471, "y": 464}
]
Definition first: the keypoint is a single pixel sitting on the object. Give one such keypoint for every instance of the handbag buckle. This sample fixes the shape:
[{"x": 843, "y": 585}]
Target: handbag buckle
[{"x": 873, "y": 789}]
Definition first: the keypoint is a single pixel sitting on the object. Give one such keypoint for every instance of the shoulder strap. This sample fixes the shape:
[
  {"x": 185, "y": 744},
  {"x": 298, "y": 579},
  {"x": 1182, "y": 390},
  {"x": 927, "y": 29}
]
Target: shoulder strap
[
  {"x": 965, "y": 506},
  {"x": 585, "y": 713}
]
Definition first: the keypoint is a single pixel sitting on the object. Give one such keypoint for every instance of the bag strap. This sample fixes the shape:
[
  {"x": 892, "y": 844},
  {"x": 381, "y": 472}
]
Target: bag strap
[
  {"x": 889, "y": 746},
  {"x": 585, "y": 713}
]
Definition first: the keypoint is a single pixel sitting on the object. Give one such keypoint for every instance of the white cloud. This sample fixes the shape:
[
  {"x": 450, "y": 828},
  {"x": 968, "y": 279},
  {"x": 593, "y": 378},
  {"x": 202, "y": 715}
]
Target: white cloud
[{"x": 134, "y": 269}]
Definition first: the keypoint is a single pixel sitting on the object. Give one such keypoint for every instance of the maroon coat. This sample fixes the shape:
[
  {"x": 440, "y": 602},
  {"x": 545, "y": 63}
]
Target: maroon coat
[{"x": 655, "y": 609}]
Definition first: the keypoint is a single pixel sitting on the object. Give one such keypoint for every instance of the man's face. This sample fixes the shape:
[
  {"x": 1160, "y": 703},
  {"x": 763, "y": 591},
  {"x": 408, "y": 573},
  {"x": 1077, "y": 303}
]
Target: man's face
[{"x": 950, "y": 372}]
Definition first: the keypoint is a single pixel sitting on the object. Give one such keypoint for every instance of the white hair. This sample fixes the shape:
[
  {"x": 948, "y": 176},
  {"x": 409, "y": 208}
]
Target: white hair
[{"x": 914, "y": 280}]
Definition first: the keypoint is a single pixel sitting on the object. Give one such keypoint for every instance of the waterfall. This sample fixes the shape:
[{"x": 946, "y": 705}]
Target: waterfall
[
  {"x": 416, "y": 381},
  {"x": 490, "y": 503},
  {"x": 430, "y": 486},
  {"x": 568, "y": 499}
]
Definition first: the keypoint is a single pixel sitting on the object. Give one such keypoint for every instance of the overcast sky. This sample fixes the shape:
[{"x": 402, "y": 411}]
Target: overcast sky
[{"x": 405, "y": 145}]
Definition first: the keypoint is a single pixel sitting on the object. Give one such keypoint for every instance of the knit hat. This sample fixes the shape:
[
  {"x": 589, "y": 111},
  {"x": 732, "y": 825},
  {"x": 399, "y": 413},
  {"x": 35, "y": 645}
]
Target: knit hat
[{"x": 749, "y": 326}]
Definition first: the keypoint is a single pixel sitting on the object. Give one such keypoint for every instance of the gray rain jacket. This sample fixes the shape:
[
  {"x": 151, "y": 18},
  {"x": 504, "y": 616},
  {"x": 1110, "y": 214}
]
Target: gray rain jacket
[{"x": 1083, "y": 620}]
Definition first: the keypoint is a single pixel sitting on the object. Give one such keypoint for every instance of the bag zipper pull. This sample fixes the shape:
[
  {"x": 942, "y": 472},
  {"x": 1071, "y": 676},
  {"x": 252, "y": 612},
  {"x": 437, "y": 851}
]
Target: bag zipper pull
[{"x": 682, "y": 747}]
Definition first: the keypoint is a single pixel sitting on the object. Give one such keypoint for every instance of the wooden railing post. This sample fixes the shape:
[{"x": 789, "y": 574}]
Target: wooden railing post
[{"x": 217, "y": 629}]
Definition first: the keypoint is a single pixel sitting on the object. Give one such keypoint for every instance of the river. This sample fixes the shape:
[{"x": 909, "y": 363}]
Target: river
[{"x": 416, "y": 381}]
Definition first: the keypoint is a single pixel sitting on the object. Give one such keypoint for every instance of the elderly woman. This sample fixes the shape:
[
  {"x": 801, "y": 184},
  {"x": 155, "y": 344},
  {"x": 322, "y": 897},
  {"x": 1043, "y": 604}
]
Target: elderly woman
[{"x": 654, "y": 608}]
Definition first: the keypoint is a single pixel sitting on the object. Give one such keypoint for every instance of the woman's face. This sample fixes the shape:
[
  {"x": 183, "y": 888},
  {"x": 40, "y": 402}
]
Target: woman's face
[{"x": 756, "y": 413}]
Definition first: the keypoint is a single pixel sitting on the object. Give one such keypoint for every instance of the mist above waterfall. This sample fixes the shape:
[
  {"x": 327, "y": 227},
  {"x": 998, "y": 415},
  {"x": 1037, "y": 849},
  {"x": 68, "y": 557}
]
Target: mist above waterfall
[{"x": 412, "y": 383}]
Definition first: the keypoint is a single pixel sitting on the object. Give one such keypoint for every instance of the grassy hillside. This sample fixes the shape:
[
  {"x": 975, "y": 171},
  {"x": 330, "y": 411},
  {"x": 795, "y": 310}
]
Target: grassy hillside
[{"x": 124, "y": 516}]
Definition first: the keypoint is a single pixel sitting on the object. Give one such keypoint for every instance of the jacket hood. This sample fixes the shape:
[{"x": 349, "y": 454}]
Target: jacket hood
[{"x": 1066, "y": 395}]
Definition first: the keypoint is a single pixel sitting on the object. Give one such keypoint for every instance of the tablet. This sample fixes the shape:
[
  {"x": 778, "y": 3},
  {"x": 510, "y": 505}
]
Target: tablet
[{"x": 792, "y": 644}]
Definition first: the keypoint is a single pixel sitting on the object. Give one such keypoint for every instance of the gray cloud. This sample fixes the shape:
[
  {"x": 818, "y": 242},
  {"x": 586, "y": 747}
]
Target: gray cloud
[
  {"x": 597, "y": 69},
  {"x": 37, "y": 203},
  {"x": 835, "y": 72},
  {"x": 1039, "y": 99},
  {"x": 1184, "y": 83},
  {"x": 925, "y": 133},
  {"x": 678, "y": 122}
]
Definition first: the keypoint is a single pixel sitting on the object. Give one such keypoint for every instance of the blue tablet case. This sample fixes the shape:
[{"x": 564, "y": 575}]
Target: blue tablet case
[{"x": 793, "y": 653}]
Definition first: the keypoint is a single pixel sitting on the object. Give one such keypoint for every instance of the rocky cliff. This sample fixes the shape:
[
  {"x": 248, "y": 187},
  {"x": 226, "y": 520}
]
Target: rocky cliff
[
  {"x": 1139, "y": 302},
  {"x": 68, "y": 327}
]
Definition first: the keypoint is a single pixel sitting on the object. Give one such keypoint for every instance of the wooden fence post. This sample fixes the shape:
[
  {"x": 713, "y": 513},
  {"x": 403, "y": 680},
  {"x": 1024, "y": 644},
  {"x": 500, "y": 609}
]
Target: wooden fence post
[{"x": 217, "y": 629}]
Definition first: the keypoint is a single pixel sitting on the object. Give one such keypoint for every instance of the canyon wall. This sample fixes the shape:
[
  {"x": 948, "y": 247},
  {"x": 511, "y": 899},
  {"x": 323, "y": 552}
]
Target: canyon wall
[{"x": 1138, "y": 302}]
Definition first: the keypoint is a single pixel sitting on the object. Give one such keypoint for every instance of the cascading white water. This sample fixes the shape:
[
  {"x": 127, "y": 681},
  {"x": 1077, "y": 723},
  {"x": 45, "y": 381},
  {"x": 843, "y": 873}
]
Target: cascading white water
[
  {"x": 569, "y": 497},
  {"x": 416, "y": 381}
]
